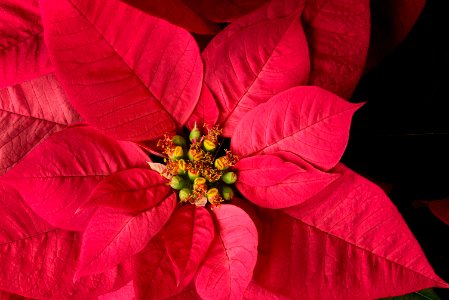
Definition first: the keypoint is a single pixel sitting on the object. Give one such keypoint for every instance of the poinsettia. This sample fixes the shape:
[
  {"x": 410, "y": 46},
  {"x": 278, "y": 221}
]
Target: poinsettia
[{"x": 275, "y": 216}]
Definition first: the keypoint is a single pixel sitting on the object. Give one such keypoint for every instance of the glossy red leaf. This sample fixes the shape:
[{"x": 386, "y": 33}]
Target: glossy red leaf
[
  {"x": 228, "y": 266},
  {"x": 392, "y": 20},
  {"x": 29, "y": 113},
  {"x": 308, "y": 121},
  {"x": 440, "y": 208},
  {"x": 187, "y": 238},
  {"x": 223, "y": 10},
  {"x": 38, "y": 260},
  {"x": 155, "y": 277},
  {"x": 338, "y": 34},
  {"x": 112, "y": 235},
  {"x": 178, "y": 13},
  {"x": 271, "y": 182},
  {"x": 23, "y": 55},
  {"x": 345, "y": 243},
  {"x": 125, "y": 292},
  {"x": 60, "y": 173},
  {"x": 255, "y": 57},
  {"x": 130, "y": 190},
  {"x": 134, "y": 84},
  {"x": 206, "y": 111}
]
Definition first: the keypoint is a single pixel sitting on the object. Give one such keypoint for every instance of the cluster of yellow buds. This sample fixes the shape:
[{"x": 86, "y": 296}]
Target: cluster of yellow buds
[{"x": 193, "y": 169}]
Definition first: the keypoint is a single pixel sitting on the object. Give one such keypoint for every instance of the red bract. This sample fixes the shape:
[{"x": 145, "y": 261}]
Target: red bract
[{"x": 82, "y": 214}]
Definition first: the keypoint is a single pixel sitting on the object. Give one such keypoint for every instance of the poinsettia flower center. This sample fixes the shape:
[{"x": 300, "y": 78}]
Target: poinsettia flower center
[{"x": 198, "y": 168}]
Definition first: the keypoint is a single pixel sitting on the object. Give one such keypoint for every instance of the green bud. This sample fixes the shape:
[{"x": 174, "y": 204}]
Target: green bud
[
  {"x": 179, "y": 141},
  {"x": 181, "y": 167},
  {"x": 177, "y": 182},
  {"x": 194, "y": 155},
  {"x": 227, "y": 192},
  {"x": 193, "y": 175},
  {"x": 184, "y": 193},
  {"x": 229, "y": 177},
  {"x": 221, "y": 163},
  {"x": 199, "y": 183},
  {"x": 209, "y": 146},
  {"x": 195, "y": 134}
]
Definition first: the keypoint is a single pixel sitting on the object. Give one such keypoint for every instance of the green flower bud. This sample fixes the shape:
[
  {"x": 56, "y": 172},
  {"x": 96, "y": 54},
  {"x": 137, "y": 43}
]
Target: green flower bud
[
  {"x": 227, "y": 192},
  {"x": 179, "y": 141},
  {"x": 195, "y": 134},
  {"x": 184, "y": 193},
  {"x": 177, "y": 153},
  {"x": 221, "y": 163},
  {"x": 199, "y": 183},
  {"x": 229, "y": 177},
  {"x": 209, "y": 146},
  {"x": 194, "y": 155},
  {"x": 193, "y": 174},
  {"x": 177, "y": 182}
]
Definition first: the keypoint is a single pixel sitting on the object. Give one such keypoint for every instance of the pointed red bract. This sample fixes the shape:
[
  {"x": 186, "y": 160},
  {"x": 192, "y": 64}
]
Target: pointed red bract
[
  {"x": 29, "y": 113},
  {"x": 338, "y": 35},
  {"x": 307, "y": 121},
  {"x": 350, "y": 236},
  {"x": 391, "y": 22},
  {"x": 206, "y": 111},
  {"x": 187, "y": 238},
  {"x": 223, "y": 10},
  {"x": 126, "y": 292},
  {"x": 254, "y": 291},
  {"x": 440, "y": 208},
  {"x": 130, "y": 190},
  {"x": 132, "y": 75},
  {"x": 58, "y": 175},
  {"x": 39, "y": 260},
  {"x": 256, "y": 57},
  {"x": 228, "y": 266},
  {"x": 112, "y": 236},
  {"x": 271, "y": 182},
  {"x": 178, "y": 13},
  {"x": 23, "y": 55}
]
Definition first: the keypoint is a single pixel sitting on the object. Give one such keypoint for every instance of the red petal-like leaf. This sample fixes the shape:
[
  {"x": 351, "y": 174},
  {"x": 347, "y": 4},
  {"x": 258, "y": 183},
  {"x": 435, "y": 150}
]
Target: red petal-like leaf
[
  {"x": 131, "y": 84},
  {"x": 155, "y": 277},
  {"x": 345, "y": 243},
  {"x": 187, "y": 238},
  {"x": 126, "y": 292},
  {"x": 23, "y": 55},
  {"x": 338, "y": 34},
  {"x": 29, "y": 113},
  {"x": 112, "y": 236},
  {"x": 440, "y": 208},
  {"x": 307, "y": 121},
  {"x": 223, "y": 10},
  {"x": 228, "y": 267},
  {"x": 254, "y": 291},
  {"x": 178, "y": 13},
  {"x": 206, "y": 111},
  {"x": 255, "y": 57},
  {"x": 60, "y": 173},
  {"x": 38, "y": 260},
  {"x": 130, "y": 190},
  {"x": 272, "y": 182},
  {"x": 391, "y": 22},
  {"x": 189, "y": 293}
]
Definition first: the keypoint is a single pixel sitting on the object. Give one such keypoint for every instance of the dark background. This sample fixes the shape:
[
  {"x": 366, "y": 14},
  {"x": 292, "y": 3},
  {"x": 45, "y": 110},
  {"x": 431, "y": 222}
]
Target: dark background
[{"x": 401, "y": 136}]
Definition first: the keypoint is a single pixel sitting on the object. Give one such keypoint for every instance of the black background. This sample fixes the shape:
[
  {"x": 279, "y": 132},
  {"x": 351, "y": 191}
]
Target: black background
[{"x": 401, "y": 135}]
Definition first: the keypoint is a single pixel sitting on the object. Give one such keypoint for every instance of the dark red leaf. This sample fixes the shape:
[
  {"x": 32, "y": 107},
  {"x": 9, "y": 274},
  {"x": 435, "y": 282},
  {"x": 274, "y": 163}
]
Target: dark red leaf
[
  {"x": 307, "y": 121},
  {"x": 29, "y": 113},
  {"x": 223, "y": 10},
  {"x": 112, "y": 235},
  {"x": 269, "y": 181},
  {"x": 256, "y": 57},
  {"x": 338, "y": 34},
  {"x": 60, "y": 173},
  {"x": 392, "y": 20},
  {"x": 176, "y": 12},
  {"x": 440, "y": 208},
  {"x": 345, "y": 243},
  {"x": 23, "y": 55},
  {"x": 132, "y": 75},
  {"x": 228, "y": 267}
]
